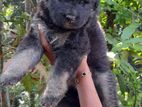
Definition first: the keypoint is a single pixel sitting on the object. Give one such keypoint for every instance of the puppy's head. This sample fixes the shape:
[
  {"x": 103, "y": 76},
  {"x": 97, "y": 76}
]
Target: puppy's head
[{"x": 71, "y": 14}]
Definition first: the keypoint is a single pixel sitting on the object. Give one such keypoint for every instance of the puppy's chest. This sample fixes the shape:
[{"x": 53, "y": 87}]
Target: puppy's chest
[{"x": 56, "y": 39}]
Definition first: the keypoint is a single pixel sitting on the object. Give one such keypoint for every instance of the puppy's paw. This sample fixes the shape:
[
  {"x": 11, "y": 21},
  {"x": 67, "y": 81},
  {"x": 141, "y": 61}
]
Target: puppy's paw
[
  {"x": 53, "y": 95},
  {"x": 50, "y": 101},
  {"x": 9, "y": 79},
  {"x": 55, "y": 90}
]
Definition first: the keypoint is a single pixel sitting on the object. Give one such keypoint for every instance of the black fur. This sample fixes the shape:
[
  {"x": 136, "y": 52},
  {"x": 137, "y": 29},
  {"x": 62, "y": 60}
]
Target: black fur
[{"x": 72, "y": 28}]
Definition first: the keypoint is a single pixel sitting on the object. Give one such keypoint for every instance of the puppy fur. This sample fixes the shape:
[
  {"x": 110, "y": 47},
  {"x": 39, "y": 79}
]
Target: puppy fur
[{"x": 73, "y": 30}]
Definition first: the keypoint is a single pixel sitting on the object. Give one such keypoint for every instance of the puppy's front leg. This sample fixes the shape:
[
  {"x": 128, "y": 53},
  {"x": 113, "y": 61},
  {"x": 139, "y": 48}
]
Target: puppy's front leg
[
  {"x": 57, "y": 83},
  {"x": 27, "y": 55}
]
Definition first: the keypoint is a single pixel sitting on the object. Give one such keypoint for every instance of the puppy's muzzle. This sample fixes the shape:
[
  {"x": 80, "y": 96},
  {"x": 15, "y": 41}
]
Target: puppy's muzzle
[{"x": 70, "y": 18}]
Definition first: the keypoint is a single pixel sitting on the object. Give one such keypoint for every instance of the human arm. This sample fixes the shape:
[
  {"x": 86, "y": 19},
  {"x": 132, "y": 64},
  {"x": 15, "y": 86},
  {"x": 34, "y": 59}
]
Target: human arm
[{"x": 86, "y": 90}]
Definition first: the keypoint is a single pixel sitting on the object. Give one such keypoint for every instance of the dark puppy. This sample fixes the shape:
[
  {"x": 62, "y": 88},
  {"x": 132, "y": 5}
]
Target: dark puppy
[{"x": 72, "y": 28}]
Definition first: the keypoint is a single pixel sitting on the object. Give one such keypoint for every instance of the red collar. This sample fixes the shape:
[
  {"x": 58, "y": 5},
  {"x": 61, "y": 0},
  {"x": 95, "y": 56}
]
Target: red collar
[{"x": 47, "y": 47}]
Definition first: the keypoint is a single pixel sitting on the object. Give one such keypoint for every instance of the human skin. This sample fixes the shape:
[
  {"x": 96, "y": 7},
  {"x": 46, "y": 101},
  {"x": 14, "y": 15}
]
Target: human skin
[{"x": 86, "y": 90}]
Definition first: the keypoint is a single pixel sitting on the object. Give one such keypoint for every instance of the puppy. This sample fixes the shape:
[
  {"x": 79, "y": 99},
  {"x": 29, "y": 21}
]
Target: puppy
[{"x": 73, "y": 30}]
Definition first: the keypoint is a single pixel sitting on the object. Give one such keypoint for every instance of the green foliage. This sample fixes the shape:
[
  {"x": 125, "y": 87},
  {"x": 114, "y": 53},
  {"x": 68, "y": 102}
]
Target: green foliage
[
  {"x": 122, "y": 22},
  {"x": 128, "y": 31},
  {"x": 124, "y": 36}
]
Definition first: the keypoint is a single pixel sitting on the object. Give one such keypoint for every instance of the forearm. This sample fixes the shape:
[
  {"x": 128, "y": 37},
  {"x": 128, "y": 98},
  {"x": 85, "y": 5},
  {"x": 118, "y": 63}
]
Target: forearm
[{"x": 87, "y": 93}]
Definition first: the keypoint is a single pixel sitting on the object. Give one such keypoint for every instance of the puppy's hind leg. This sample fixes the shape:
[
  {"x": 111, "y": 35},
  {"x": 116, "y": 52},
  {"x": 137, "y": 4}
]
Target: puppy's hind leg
[
  {"x": 98, "y": 62},
  {"x": 27, "y": 55}
]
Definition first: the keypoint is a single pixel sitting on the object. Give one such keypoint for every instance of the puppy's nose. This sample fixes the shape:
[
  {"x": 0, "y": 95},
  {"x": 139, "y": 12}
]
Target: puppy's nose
[{"x": 70, "y": 17}]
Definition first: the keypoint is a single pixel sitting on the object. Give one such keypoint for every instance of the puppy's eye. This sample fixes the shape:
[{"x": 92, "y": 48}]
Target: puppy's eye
[
  {"x": 84, "y": 2},
  {"x": 61, "y": 0}
]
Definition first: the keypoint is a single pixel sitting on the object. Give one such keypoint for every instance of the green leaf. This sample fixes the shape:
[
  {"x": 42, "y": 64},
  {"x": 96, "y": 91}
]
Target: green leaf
[
  {"x": 129, "y": 30},
  {"x": 27, "y": 83},
  {"x": 137, "y": 47},
  {"x": 111, "y": 40},
  {"x": 134, "y": 40},
  {"x": 122, "y": 83}
]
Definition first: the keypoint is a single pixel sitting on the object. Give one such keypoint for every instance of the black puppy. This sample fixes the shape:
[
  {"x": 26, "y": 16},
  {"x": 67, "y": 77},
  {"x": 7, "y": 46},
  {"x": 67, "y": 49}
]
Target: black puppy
[{"x": 72, "y": 28}]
